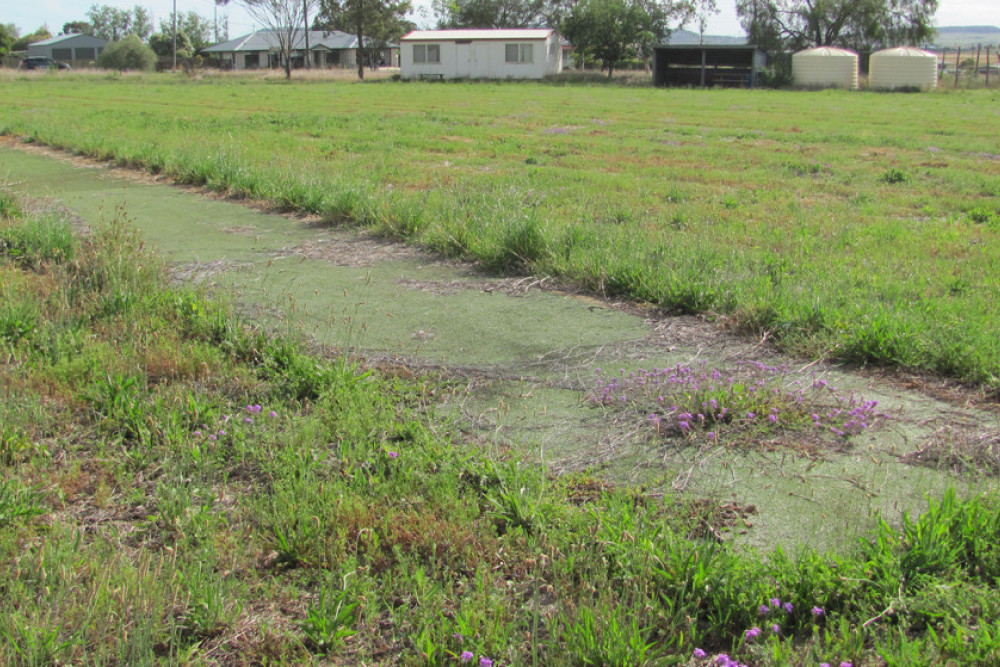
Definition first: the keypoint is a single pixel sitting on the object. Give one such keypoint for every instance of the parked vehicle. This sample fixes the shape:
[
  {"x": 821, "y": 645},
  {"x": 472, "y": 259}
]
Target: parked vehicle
[{"x": 41, "y": 62}]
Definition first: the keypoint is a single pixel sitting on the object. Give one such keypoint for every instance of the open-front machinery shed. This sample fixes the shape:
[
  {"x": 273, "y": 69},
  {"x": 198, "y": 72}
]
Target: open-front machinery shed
[{"x": 708, "y": 65}]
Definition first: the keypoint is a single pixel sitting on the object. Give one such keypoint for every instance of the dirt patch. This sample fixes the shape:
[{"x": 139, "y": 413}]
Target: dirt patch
[
  {"x": 507, "y": 286},
  {"x": 358, "y": 251},
  {"x": 960, "y": 448},
  {"x": 200, "y": 272}
]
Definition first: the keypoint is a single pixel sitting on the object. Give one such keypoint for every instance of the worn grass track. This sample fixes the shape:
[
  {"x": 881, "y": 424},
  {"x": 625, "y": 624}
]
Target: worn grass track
[{"x": 851, "y": 226}]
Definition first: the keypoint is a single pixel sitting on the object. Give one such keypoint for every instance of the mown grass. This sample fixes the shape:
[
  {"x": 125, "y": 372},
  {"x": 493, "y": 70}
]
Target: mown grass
[
  {"x": 851, "y": 226},
  {"x": 179, "y": 487}
]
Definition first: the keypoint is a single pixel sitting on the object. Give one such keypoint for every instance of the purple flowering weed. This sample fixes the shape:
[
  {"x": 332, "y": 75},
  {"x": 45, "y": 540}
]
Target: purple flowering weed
[
  {"x": 466, "y": 656},
  {"x": 699, "y": 654},
  {"x": 702, "y": 398}
]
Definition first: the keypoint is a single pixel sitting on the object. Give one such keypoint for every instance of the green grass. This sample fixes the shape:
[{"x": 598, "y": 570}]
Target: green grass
[
  {"x": 177, "y": 486},
  {"x": 851, "y": 226}
]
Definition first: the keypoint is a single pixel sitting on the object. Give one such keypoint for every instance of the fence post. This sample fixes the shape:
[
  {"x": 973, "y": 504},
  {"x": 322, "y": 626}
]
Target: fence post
[
  {"x": 987, "y": 66},
  {"x": 979, "y": 49},
  {"x": 958, "y": 55}
]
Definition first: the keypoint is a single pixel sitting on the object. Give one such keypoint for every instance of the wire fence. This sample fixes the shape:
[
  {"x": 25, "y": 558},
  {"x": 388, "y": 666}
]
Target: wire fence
[{"x": 973, "y": 64}]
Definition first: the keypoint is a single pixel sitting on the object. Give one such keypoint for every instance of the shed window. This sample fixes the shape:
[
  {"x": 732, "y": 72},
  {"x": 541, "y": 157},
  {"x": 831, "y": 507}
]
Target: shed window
[
  {"x": 518, "y": 53},
  {"x": 426, "y": 53},
  {"x": 62, "y": 54},
  {"x": 85, "y": 53}
]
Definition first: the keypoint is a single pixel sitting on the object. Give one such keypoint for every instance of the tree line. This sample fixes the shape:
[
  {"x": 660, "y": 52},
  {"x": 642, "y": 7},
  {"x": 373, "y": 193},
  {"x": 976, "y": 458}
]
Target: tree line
[{"x": 606, "y": 32}]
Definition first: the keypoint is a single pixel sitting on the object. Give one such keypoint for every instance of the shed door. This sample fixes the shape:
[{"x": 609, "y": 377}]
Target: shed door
[{"x": 464, "y": 55}]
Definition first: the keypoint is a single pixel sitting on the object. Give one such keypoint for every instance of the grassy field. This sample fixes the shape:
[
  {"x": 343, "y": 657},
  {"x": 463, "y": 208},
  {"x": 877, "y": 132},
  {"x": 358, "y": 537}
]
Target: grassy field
[
  {"x": 180, "y": 487},
  {"x": 850, "y": 226}
]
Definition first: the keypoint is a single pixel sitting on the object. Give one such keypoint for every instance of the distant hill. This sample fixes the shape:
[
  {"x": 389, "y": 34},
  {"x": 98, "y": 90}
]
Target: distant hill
[
  {"x": 687, "y": 37},
  {"x": 969, "y": 35},
  {"x": 947, "y": 36}
]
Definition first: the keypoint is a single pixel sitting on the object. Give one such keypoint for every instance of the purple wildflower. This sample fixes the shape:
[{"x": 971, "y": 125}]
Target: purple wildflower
[
  {"x": 845, "y": 663},
  {"x": 393, "y": 455},
  {"x": 722, "y": 659},
  {"x": 466, "y": 656},
  {"x": 817, "y": 612},
  {"x": 197, "y": 433},
  {"x": 763, "y": 610},
  {"x": 248, "y": 420},
  {"x": 699, "y": 654},
  {"x": 273, "y": 413},
  {"x": 752, "y": 633},
  {"x": 212, "y": 437},
  {"x": 775, "y": 602},
  {"x": 710, "y": 435},
  {"x": 788, "y": 607},
  {"x": 485, "y": 662},
  {"x": 457, "y": 636},
  {"x": 776, "y": 629},
  {"x": 221, "y": 432}
]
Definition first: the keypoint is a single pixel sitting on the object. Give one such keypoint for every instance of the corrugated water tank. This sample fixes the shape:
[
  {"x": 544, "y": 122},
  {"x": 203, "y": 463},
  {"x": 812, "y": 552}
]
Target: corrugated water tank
[
  {"x": 903, "y": 67},
  {"x": 825, "y": 67}
]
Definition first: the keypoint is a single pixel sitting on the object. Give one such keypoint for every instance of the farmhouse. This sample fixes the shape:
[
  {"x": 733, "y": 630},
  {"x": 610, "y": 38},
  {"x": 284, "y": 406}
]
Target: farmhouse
[
  {"x": 480, "y": 54},
  {"x": 76, "y": 50},
  {"x": 261, "y": 49},
  {"x": 708, "y": 65}
]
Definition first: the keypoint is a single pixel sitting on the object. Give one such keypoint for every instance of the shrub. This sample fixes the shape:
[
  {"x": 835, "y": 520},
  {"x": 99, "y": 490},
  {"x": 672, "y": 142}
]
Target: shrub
[{"x": 128, "y": 53}]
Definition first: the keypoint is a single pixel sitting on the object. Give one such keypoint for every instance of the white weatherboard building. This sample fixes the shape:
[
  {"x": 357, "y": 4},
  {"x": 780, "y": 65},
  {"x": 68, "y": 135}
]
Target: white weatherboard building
[{"x": 480, "y": 54}]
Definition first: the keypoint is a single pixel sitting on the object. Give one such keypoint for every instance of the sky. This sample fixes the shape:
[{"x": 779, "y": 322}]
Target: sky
[{"x": 28, "y": 16}]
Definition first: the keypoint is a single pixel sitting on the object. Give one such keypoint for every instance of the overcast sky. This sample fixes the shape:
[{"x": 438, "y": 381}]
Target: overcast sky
[{"x": 28, "y": 16}]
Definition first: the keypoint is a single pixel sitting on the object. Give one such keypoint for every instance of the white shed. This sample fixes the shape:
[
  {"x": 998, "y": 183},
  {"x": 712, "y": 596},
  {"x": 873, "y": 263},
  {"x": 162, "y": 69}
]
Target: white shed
[
  {"x": 903, "y": 67},
  {"x": 480, "y": 54},
  {"x": 76, "y": 50},
  {"x": 825, "y": 67}
]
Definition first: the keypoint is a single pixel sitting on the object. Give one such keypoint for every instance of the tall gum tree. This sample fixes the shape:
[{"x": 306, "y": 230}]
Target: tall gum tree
[
  {"x": 614, "y": 31},
  {"x": 375, "y": 23},
  {"x": 284, "y": 20},
  {"x": 862, "y": 25}
]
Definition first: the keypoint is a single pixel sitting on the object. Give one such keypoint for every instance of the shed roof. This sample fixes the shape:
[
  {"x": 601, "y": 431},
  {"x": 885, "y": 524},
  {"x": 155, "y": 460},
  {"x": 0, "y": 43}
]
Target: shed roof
[
  {"x": 449, "y": 35},
  {"x": 267, "y": 40},
  {"x": 61, "y": 39}
]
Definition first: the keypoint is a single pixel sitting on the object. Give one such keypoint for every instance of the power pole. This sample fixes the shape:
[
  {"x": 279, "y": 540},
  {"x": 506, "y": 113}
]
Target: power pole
[
  {"x": 305, "y": 13},
  {"x": 175, "y": 35}
]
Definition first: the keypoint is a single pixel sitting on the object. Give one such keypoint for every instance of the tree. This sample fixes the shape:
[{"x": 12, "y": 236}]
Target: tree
[
  {"x": 21, "y": 44},
  {"x": 491, "y": 13},
  {"x": 862, "y": 25},
  {"x": 375, "y": 23},
  {"x": 162, "y": 44},
  {"x": 77, "y": 28},
  {"x": 127, "y": 53},
  {"x": 614, "y": 31},
  {"x": 113, "y": 24},
  {"x": 193, "y": 27},
  {"x": 703, "y": 9},
  {"x": 283, "y": 19},
  {"x": 8, "y": 35}
]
